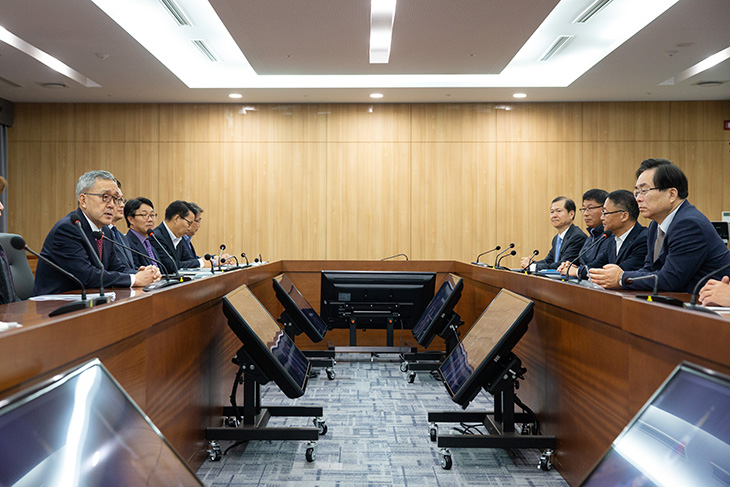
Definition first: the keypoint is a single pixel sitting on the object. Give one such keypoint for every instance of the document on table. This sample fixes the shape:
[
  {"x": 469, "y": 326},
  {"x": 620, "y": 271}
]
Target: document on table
[{"x": 71, "y": 297}]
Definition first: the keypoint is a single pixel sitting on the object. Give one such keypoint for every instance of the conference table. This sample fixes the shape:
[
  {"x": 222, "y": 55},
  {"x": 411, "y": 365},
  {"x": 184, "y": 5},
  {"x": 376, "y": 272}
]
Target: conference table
[{"x": 593, "y": 357}]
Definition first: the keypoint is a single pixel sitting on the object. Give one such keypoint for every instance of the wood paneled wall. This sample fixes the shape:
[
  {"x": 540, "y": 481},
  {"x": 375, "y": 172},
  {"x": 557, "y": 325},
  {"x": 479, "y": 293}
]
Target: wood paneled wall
[{"x": 434, "y": 181}]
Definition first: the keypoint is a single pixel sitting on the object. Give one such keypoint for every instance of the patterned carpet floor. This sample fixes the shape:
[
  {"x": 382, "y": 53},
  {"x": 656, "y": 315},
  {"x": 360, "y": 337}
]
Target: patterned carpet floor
[{"x": 378, "y": 436}]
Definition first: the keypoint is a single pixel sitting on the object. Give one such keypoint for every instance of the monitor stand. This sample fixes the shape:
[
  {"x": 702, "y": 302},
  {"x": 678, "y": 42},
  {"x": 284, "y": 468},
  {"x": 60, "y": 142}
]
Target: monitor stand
[
  {"x": 249, "y": 422},
  {"x": 500, "y": 423},
  {"x": 391, "y": 319},
  {"x": 430, "y": 361}
]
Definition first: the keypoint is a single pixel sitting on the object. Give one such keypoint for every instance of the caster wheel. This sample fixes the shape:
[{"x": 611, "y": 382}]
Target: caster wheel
[
  {"x": 404, "y": 366},
  {"x": 546, "y": 463},
  {"x": 214, "y": 451},
  {"x": 446, "y": 462},
  {"x": 321, "y": 426},
  {"x": 230, "y": 422},
  {"x": 330, "y": 373},
  {"x": 433, "y": 432},
  {"x": 411, "y": 377},
  {"x": 311, "y": 453}
]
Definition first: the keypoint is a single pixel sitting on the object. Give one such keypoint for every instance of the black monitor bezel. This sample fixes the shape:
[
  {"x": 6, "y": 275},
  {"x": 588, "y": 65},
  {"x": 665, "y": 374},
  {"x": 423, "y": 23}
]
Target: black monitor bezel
[
  {"x": 296, "y": 314},
  {"x": 440, "y": 319},
  {"x": 489, "y": 368},
  {"x": 266, "y": 361}
]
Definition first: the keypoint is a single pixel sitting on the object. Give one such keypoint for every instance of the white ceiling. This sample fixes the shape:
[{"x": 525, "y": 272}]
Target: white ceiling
[{"x": 331, "y": 37}]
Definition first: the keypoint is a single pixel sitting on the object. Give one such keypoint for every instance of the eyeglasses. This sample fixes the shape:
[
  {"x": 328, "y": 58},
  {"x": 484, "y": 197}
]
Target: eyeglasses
[
  {"x": 146, "y": 216},
  {"x": 189, "y": 222},
  {"x": 198, "y": 220},
  {"x": 106, "y": 198},
  {"x": 604, "y": 212},
  {"x": 643, "y": 191},
  {"x": 590, "y": 208}
]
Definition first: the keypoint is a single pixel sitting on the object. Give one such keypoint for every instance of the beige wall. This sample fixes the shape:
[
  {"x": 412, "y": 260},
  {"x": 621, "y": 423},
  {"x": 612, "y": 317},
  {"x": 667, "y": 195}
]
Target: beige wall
[{"x": 434, "y": 181}]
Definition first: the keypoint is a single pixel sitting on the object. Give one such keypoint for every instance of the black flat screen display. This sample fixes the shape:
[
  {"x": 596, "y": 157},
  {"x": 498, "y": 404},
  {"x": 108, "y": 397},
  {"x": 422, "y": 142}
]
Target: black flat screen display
[
  {"x": 434, "y": 318},
  {"x": 681, "y": 437},
  {"x": 82, "y": 429},
  {"x": 267, "y": 344},
  {"x": 475, "y": 361},
  {"x": 298, "y": 309}
]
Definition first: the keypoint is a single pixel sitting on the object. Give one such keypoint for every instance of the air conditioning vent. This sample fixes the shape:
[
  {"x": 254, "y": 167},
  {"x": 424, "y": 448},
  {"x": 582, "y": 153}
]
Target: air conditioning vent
[
  {"x": 556, "y": 47},
  {"x": 205, "y": 49},
  {"x": 174, "y": 9},
  {"x": 591, "y": 11}
]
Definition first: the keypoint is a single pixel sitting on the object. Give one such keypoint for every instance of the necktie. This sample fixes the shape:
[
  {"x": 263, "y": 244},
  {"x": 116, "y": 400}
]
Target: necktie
[
  {"x": 558, "y": 244},
  {"x": 658, "y": 243},
  {"x": 99, "y": 245},
  {"x": 148, "y": 248}
]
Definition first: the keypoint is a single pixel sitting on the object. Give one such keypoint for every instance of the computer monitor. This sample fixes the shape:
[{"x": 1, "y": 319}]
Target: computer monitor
[
  {"x": 475, "y": 362},
  {"x": 81, "y": 428},
  {"x": 680, "y": 437},
  {"x": 435, "y": 318},
  {"x": 723, "y": 229},
  {"x": 372, "y": 297},
  {"x": 265, "y": 342},
  {"x": 299, "y": 310}
]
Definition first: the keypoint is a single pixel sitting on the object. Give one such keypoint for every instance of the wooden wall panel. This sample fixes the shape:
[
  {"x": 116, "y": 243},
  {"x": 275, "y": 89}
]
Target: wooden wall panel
[
  {"x": 540, "y": 122},
  {"x": 369, "y": 195},
  {"x": 116, "y": 122},
  {"x": 50, "y": 122},
  {"x": 702, "y": 162},
  {"x": 369, "y": 123},
  {"x": 620, "y": 121},
  {"x": 692, "y": 120},
  {"x": 450, "y": 122}
]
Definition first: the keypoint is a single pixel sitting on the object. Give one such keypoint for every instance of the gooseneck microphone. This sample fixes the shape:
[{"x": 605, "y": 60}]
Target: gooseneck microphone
[
  {"x": 222, "y": 247},
  {"x": 693, "y": 300},
  {"x": 209, "y": 258},
  {"x": 153, "y": 285},
  {"x": 654, "y": 297},
  {"x": 18, "y": 243},
  {"x": 243, "y": 255},
  {"x": 510, "y": 246},
  {"x": 497, "y": 264},
  {"x": 393, "y": 256},
  {"x": 151, "y": 233},
  {"x": 629, "y": 280},
  {"x": 236, "y": 267},
  {"x": 486, "y": 252},
  {"x": 529, "y": 262},
  {"x": 95, "y": 252},
  {"x": 600, "y": 239}
]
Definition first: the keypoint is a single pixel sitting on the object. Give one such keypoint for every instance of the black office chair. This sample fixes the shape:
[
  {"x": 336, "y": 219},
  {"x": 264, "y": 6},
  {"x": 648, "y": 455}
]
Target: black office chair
[{"x": 19, "y": 267}]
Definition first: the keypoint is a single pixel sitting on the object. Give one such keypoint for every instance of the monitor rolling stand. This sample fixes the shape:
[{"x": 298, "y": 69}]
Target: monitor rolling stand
[{"x": 249, "y": 422}]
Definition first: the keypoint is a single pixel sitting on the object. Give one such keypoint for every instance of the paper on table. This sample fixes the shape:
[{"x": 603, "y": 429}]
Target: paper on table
[{"x": 71, "y": 297}]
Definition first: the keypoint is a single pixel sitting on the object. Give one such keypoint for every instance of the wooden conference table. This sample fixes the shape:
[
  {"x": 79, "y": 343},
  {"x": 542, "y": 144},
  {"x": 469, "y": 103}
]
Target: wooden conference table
[{"x": 593, "y": 357}]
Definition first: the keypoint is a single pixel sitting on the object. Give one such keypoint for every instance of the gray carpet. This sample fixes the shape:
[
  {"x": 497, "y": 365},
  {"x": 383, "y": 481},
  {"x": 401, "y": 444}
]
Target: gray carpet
[{"x": 378, "y": 436}]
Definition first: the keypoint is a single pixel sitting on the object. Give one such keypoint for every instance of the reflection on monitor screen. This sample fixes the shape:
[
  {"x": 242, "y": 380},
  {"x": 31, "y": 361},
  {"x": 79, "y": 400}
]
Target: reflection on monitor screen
[
  {"x": 82, "y": 429},
  {"x": 299, "y": 309},
  {"x": 266, "y": 343},
  {"x": 681, "y": 437},
  {"x": 435, "y": 317}
]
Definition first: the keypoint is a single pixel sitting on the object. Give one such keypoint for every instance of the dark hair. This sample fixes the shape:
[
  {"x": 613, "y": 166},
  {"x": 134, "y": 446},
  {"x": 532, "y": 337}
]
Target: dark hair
[
  {"x": 595, "y": 194},
  {"x": 194, "y": 208},
  {"x": 133, "y": 205},
  {"x": 177, "y": 207},
  {"x": 667, "y": 175},
  {"x": 569, "y": 204},
  {"x": 624, "y": 200}
]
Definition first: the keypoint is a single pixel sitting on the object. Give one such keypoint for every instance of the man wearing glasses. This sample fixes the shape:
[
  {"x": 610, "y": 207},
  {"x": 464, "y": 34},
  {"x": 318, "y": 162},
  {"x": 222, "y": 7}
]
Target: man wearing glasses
[
  {"x": 124, "y": 255},
  {"x": 169, "y": 233},
  {"x": 97, "y": 197},
  {"x": 627, "y": 246},
  {"x": 682, "y": 244},
  {"x": 140, "y": 216},
  {"x": 592, "y": 206}
]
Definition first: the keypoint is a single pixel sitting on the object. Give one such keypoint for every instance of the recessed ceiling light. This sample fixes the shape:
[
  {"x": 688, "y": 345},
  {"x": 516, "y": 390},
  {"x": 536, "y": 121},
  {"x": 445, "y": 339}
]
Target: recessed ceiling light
[
  {"x": 376, "y": 95},
  {"x": 382, "y": 14},
  {"x": 519, "y": 95},
  {"x": 235, "y": 96}
]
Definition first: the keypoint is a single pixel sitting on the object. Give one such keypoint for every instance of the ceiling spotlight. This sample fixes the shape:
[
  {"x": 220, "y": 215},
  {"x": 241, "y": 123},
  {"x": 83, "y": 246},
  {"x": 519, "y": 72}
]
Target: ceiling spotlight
[
  {"x": 519, "y": 95},
  {"x": 235, "y": 96},
  {"x": 376, "y": 95}
]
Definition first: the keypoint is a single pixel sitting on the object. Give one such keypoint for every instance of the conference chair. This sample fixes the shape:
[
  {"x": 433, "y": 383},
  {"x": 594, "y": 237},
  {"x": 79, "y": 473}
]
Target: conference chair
[{"x": 19, "y": 267}]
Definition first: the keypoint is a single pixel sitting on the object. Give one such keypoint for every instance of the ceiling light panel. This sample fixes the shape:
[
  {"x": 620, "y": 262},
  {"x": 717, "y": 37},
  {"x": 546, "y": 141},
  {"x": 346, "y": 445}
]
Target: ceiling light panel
[{"x": 382, "y": 16}]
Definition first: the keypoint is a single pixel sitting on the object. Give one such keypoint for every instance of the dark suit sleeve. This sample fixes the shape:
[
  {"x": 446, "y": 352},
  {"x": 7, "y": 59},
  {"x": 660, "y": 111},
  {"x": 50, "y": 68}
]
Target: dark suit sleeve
[
  {"x": 600, "y": 260},
  {"x": 549, "y": 258},
  {"x": 187, "y": 260},
  {"x": 574, "y": 241}
]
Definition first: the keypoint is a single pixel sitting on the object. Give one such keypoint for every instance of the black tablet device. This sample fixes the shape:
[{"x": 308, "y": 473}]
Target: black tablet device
[
  {"x": 435, "y": 318},
  {"x": 475, "y": 362},
  {"x": 81, "y": 428},
  {"x": 681, "y": 436},
  {"x": 266, "y": 343},
  {"x": 298, "y": 309}
]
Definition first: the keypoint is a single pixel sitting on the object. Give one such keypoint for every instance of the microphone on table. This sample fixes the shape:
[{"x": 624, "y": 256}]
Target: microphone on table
[
  {"x": 484, "y": 253},
  {"x": 529, "y": 262},
  {"x": 209, "y": 258},
  {"x": 654, "y": 297},
  {"x": 18, "y": 243},
  {"x": 152, "y": 286},
  {"x": 693, "y": 300},
  {"x": 259, "y": 259},
  {"x": 222, "y": 247},
  {"x": 95, "y": 252},
  {"x": 600, "y": 239},
  {"x": 393, "y": 256},
  {"x": 232, "y": 267},
  {"x": 510, "y": 246},
  {"x": 497, "y": 266},
  {"x": 151, "y": 233},
  {"x": 243, "y": 254}
]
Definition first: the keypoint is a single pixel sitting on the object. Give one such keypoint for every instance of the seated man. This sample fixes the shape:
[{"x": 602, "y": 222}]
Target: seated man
[
  {"x": 683, "y": 246},
  {"x": 140, "y": 217},
  {"x": 168, "y": 236},
  {"x": 7, "y": 287},
  {"x": 716, "y": 293},
  {"x": 97, "y": 196},
  {"x": 124, "y": 255},
  {"x": 194, "y": 227},
  {"x": 592, "y": 206},
  {"x": 567, "y": 243},
  {"x": 627, "y": 246}
]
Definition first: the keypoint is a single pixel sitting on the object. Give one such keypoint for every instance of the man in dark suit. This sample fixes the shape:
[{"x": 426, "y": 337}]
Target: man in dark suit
[
  {"x": 97, "y": 195},
  {"x": 194, "y": 227},
  {"x": 593, "y": 200},
  {"x": 567, "y": 243},
  {"x": 140, "y": 216},
  {"x": 683, "y": 246},
  {"x": 168, "y": 239},
  {"x": 124, "y": 255},
  {"x": 627, "y": 246}
]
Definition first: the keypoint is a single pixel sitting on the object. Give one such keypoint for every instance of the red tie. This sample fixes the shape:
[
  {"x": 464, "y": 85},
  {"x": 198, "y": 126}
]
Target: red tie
[{"x": 99, "y": 245}]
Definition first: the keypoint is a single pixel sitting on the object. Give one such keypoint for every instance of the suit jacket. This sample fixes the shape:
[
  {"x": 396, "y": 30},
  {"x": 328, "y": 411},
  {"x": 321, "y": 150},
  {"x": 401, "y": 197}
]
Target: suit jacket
[
  {"x": 569, "y": 250},
  {"x": 590, "y": 251},
  {"x": 182, "y": 258},
  {"x": 630, "y": 258},
  {"x": 692, "y": 249},
  {"x": 138, "y": 260},
  {"x": 124, "y": 254},
  {"x": 189, "y": 242},
  {"x": 65, "y": 247}
]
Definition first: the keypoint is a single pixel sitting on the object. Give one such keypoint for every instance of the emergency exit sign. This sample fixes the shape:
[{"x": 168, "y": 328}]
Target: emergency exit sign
[{"x": 726, "y": 126}]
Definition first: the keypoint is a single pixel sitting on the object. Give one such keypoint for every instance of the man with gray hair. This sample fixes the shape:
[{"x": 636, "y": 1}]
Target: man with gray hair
[{"x": 97, "y": 196}]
